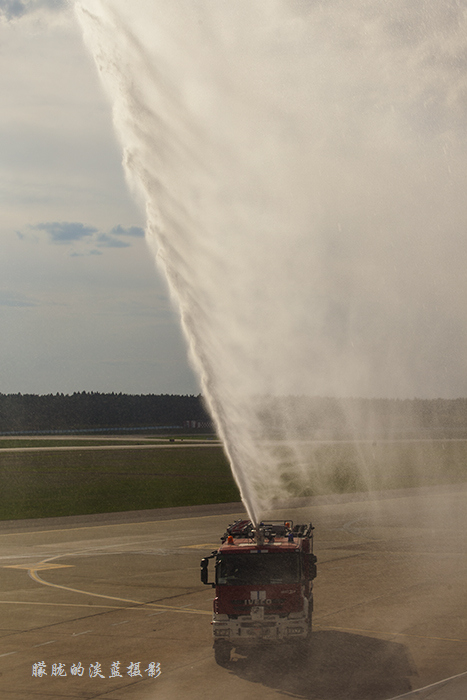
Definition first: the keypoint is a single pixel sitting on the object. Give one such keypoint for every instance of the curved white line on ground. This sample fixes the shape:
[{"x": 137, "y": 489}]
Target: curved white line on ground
[{"x": 32, "y": 572}]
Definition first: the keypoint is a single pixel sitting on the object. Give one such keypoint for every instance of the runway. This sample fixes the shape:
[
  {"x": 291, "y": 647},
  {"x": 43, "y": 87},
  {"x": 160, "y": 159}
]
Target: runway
[
  {"x": 159, "y": 445},
  {"x": 116, "y": 604}
]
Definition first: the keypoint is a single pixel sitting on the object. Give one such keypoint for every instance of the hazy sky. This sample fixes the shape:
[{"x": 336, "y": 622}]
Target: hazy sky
[
  {"x": 81, "y": 305},
  {"x": 379, "y": 159}
]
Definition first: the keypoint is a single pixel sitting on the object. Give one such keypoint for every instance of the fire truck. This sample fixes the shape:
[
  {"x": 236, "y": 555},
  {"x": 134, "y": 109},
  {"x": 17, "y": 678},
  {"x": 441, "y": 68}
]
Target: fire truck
[{"x": 264, "y": 586}]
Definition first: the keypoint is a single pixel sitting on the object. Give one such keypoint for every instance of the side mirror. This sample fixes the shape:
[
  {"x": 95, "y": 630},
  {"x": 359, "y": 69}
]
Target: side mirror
[{"x": 204, "y": 572}]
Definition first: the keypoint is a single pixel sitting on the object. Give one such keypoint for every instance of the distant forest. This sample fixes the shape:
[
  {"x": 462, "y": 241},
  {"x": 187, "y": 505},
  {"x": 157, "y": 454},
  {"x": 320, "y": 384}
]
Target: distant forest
[
  {"x": 299, "y": 416},
  {"x": 86, "y": 411}
]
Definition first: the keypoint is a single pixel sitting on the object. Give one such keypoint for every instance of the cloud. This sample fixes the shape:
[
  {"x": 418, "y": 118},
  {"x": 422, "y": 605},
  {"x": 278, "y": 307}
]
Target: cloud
[
  {"x": 133, "y": 231},
  {"x": 65, "y": 232},
  {"x": 15, "y": 299},
  {"x": 84, "y": 239},
  {"x": 106, "y": 241},
  {"x": 12, "y": 8},
  {"x": 75, "y": 254},
  {"x": 15, "y": 9}
]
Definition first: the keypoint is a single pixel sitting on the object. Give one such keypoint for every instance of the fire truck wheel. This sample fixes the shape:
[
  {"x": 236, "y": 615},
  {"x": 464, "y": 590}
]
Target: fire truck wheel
[{"x": 221, "y": 653}]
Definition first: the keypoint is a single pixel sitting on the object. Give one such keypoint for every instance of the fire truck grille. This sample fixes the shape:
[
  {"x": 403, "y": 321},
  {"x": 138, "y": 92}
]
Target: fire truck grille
[{"x": 268, "y": 605}]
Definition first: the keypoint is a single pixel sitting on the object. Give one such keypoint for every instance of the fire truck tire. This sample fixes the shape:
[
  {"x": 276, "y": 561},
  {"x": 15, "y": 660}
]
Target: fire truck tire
[{"x": 221, "y": 653}]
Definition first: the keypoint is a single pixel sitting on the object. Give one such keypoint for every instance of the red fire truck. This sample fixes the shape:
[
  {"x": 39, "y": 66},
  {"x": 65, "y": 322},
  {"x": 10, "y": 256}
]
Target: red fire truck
[{"x": 264, "y": 585}]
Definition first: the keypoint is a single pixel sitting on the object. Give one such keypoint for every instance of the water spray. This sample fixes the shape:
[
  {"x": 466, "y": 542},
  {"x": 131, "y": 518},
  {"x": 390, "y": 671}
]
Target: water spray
[{"x": 286, "y": 153}]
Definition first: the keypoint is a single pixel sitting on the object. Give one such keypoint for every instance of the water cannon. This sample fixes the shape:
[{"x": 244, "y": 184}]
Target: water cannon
[
  {"x": 259, "y": 534},
  {"x": 262, "y": 531},
  {"x": 239, "y": 529}
]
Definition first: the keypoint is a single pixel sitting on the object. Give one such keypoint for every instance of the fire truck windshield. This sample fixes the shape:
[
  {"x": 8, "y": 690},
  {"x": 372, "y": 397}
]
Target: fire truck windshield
[{"x": 258, "y": 568}]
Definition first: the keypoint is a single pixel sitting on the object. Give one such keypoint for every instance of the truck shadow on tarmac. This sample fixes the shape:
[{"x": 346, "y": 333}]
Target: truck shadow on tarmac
[{"x": 335, "y": 666}]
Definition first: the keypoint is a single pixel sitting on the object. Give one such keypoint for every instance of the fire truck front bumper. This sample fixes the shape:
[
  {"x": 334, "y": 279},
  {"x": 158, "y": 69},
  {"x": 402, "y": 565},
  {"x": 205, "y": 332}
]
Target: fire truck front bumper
[{"x": 246, "y": 629}]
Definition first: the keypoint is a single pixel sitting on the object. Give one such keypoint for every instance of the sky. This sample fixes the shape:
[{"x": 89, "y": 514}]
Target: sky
[
  {"x": 82, "y": 304},
  {"x": 370, "y": 278}
]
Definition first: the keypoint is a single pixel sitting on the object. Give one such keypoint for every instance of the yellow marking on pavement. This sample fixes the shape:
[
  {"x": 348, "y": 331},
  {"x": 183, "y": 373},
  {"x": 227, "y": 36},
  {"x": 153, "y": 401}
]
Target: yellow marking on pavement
[
  {"x": 170, "y": 608},
  {"x": 390, "y": 634},
  {"x": 38, "y": 567},
  {"x": 200, "y": 546}
]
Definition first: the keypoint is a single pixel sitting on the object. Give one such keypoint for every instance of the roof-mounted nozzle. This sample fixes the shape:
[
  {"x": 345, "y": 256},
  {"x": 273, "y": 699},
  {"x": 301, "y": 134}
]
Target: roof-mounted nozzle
[{"x": 258, "y": 534}]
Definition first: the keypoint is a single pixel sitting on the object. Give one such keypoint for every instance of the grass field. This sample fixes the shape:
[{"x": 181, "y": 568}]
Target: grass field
[
  {"x": 45, "y": 484},
  {"x": 53, "y": 483}
]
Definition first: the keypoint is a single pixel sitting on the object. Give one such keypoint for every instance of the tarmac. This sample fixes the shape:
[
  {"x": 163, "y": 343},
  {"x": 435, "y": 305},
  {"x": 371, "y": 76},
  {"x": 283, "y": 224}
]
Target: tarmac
[{"x": 111, "y": 606}]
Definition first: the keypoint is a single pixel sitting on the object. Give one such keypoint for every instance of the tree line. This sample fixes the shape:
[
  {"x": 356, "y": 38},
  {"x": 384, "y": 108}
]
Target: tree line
[
  {"x": 300, "y": 416},
  {"x": 95, "y": 411}
]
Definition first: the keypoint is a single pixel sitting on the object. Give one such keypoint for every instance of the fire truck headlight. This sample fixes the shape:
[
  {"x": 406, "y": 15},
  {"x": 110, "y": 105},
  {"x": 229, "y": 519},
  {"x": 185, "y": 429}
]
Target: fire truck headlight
[
  {"x": 221, "y": 633},
  {"x": 295, "y": 630}
]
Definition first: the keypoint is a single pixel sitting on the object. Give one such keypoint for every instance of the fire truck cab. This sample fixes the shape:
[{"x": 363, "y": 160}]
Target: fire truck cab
[{"x": 264, "y": 585}]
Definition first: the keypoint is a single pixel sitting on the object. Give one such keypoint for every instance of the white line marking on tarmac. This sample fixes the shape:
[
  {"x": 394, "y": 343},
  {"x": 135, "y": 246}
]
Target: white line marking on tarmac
[
  {"x": 78, "y": 634},
  {"x": 88, "y": 448},
  {"x": 413, "y": 693},
  {"x": 8, "y": 653},
  {"x": 44, "y": 643},
  {"x": 65, "y": 605},
  {"x": 38, "y": 566},
  {"x": 388, "y": 633},
  {"x": 235, "y": 511},
  {"x": 185, "y": 609},
  {"x": 115, "y": 624}
]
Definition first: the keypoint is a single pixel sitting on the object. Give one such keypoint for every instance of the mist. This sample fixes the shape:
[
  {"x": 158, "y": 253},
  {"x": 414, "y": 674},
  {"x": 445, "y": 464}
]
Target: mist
[{"x": 302, "y": 169}]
